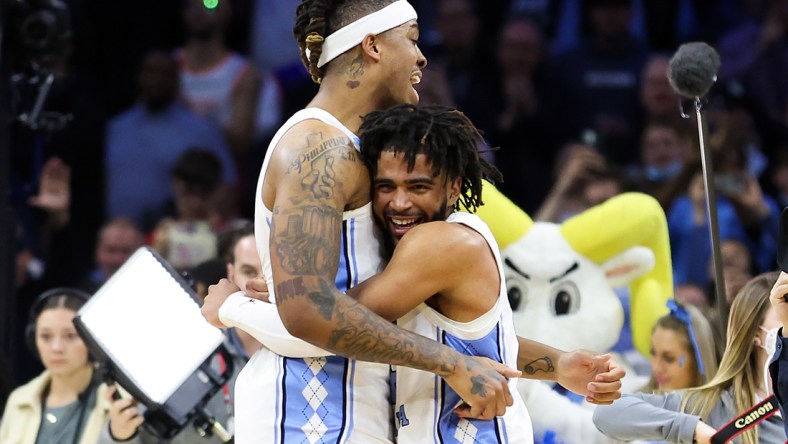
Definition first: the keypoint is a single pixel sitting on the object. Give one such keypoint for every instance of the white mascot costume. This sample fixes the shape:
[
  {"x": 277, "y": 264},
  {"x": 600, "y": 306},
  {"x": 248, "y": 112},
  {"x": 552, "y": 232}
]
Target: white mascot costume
[{"x": 561, "y": 280}]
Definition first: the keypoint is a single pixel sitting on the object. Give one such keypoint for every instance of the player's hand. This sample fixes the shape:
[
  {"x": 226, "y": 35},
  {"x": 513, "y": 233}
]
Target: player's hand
[
  {"x": 597, "y": 377},
  {"x": 124, "y": 417},
  {"x": 217, "y": 294},
  {"x": 482, "y": 385},
  {"x": 777, "y": 298},
  {"x": 257, "y": 288}
]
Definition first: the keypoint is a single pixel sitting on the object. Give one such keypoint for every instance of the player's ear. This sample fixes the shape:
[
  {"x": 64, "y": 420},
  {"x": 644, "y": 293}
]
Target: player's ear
[
  {"x": 370, "y": 47},
  {"x": 454, "y": 191}
]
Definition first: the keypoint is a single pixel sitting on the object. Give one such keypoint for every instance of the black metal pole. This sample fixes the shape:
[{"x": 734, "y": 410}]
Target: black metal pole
[
  {"x": 7, "y": 243},
  {"x": 711, "y": 212}
]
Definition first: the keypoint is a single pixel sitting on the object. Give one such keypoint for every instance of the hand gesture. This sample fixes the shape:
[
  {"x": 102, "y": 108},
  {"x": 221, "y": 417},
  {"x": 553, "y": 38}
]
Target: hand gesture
[
  {"x": 54, "y": 191},
  {"x": 580, "y": 164},
  {"x": 217, "y": 294},
  {"x": 124, "y": 417},
  {"x": 777, "y": 298},
  {"x": 482, "y": 385},
  {"x": 597, "y": 377}
]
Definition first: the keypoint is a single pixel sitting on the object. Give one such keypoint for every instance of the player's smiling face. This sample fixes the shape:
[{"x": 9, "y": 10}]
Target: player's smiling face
[{"x": 404, "y": 199}]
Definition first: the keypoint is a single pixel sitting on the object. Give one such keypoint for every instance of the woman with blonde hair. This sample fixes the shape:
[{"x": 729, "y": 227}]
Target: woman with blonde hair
[
  {"x": 694, "y": 415},
  {"x": 682, "y": 350}
]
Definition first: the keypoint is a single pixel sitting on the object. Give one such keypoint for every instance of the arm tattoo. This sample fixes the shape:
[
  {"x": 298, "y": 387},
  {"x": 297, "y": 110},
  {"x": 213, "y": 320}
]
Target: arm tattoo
[
  {"x": 544, "y": 364},
  {"x": 324, "y": 301},
  {"x": 305, "y": 246},
  {"x": 290, "y": 289}
]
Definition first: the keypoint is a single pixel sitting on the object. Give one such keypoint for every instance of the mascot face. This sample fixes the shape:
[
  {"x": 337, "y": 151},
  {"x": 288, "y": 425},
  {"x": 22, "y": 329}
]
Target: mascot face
[{"x": 558, "y": 296}]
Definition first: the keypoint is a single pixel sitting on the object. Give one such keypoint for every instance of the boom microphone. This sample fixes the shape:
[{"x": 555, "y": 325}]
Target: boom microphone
[
  {"x": 691, "y": 72},
  {"x": 693, "y": 69}
]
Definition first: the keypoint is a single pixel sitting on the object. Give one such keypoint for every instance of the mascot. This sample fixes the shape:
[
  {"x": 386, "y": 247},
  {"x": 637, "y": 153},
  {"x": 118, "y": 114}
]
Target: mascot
[{"x": 561, "y": 281}]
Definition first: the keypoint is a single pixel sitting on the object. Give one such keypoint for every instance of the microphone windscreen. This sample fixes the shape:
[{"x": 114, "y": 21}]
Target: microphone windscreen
[{"x": 693, "y": 69}]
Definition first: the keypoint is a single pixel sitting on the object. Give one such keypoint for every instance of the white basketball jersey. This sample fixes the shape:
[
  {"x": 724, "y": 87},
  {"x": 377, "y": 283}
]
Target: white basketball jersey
[
  {"x": 327, "y": 399},
  {"x": 425, "y": 403}
]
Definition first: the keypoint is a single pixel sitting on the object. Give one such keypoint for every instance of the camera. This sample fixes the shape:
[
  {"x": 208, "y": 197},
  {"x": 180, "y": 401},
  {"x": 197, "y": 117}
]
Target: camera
[{"x": 41, "y": 29}]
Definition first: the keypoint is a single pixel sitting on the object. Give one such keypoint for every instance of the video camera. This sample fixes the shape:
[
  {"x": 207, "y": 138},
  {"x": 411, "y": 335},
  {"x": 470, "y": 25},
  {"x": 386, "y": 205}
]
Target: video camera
[{"x": 37, "y": 39}]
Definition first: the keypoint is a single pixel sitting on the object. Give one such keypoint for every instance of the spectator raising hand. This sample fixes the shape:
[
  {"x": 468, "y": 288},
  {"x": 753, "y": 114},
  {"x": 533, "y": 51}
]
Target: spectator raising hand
[{"x": 54, "y": 192}]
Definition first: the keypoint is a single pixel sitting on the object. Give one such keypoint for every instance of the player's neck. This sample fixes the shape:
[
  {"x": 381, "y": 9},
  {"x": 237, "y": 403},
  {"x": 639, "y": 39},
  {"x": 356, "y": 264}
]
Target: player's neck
[{"x": 345, "y": 104}]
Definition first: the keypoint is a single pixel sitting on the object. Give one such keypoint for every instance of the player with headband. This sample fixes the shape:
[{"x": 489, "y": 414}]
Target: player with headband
[{"x": 314, "y": 230}]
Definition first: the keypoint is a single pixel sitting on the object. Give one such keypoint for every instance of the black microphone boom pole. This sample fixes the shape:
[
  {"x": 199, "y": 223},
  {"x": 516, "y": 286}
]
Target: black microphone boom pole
[{"x": 691, "y": 72}]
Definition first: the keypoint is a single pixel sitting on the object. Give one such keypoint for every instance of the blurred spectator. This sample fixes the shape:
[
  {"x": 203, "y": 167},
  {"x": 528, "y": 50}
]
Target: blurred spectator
[
  {"x": 757, "y": 55},
  {"x": 666, "y": 156},
  {"x": 683, "y": 352},
  {"x": 65, "y": 403},
  {"x": 216, "y": 83},
  {"x": 188, "y": 238},
  {"x": 594, "y": 85},
  {"x": 692, "y": 294},
  {"x": 466, "y": 60},
  {"x": 657, "y": 97},
  {"x": 7, "y": 382},
  {"x": 53, "y": 202},
  {"x": 779, "y": 177},
  {"x": 243, "y": 265},
  {"x": 144, "y": 143},
  {"x": 757, "y": 212},
  {"x": 434, "y": 86},
  {"x": 526, "y": 155},
  {"x": 272, "y": 45},
  {"x": 737, "y": 267},
  {"x": 690, "y": 243},
  {"x": 117, "y": 240},
  {"x": 583, "y": 179}
]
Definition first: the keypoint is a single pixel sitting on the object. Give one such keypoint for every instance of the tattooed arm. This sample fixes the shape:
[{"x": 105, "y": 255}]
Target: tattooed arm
[
  {"x": 597, "y": 377},
  {"x": 308, "y": 189}
]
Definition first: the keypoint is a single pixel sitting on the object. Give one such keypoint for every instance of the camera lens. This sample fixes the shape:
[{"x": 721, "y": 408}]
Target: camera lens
[{"x": 38, "y": 30}]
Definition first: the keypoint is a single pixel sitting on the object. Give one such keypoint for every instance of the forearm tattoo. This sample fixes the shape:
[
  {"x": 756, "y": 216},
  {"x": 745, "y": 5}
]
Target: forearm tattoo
[{"x": 544, "y": 365}]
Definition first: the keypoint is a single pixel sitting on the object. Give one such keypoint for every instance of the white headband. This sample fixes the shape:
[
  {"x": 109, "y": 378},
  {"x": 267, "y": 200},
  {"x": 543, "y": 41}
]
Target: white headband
[{"x": 351, "y": 35}]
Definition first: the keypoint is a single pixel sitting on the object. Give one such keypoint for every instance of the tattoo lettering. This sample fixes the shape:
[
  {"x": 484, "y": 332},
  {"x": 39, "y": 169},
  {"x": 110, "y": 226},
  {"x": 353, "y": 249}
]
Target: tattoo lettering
[
  {"x": 540, "y": 365},
  {"x": 305, "y": 246},
  {"x": 314, "y": 154},
  {"x": 290, "y": 289}
]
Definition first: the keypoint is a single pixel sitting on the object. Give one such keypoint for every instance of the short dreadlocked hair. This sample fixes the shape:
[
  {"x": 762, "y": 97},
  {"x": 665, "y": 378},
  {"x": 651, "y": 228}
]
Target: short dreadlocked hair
[
  {"x": 317, "y": 19},
  {"x": 445, "y": 135}
]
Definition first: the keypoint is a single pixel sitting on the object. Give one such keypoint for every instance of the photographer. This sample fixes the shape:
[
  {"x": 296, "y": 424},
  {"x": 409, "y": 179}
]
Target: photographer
[{"x": 778, "y": 368}]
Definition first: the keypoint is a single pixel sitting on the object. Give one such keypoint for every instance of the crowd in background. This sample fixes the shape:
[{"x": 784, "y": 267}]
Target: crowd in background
[{"x": 174, "y": 104}]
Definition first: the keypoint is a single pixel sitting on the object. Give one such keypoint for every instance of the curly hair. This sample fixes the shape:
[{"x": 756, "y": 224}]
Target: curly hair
[
  {"x": 317, "y": 19},
  {"x": 445, "y": 135}
]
